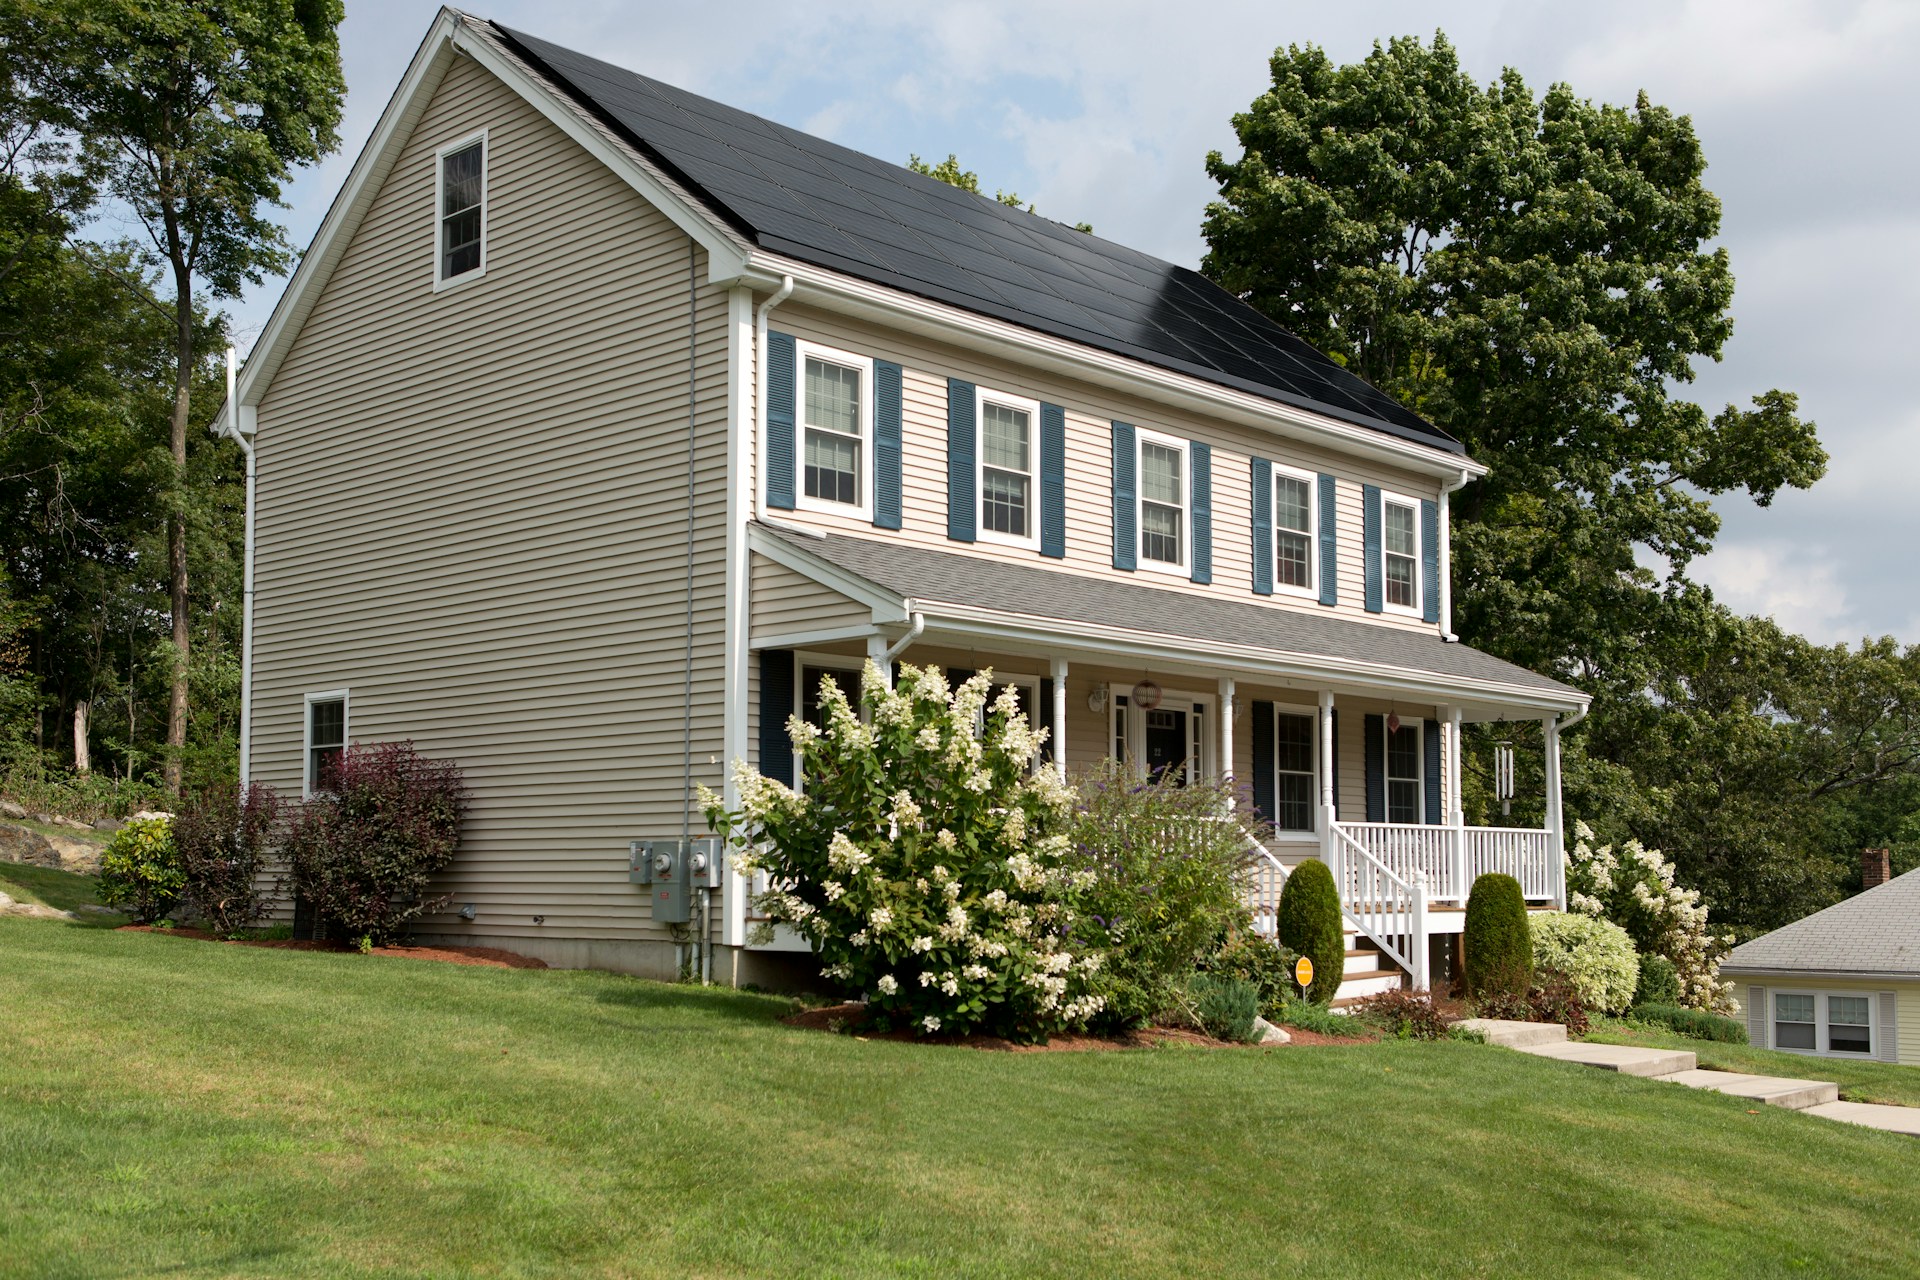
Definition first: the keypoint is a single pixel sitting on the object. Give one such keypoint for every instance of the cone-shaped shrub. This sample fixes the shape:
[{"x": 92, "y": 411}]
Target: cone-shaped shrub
[
  {"x": 1498, "y": 944},
  {"x": 1309, "y": 923}
]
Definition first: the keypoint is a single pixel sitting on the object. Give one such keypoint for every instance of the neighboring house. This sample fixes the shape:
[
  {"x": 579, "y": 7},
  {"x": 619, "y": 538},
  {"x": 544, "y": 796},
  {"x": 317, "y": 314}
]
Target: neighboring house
[
  {"x": 602, "y": 420},
  {"x": 1844, "y": 982}
]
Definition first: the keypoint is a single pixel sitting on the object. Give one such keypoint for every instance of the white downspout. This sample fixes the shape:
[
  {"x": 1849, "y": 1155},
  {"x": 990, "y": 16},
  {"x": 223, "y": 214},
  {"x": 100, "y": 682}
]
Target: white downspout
[
  {"x": 899, "y": 646},
  {"x": 232, "y": 428},
  {"x": 778, "y": 296},
  {"x": 1446, "y": 557}
]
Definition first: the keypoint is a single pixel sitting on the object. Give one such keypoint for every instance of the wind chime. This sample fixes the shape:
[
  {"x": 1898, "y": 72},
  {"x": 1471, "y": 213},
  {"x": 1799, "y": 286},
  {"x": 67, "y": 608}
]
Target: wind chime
[{"x": 1503, "y": 776}]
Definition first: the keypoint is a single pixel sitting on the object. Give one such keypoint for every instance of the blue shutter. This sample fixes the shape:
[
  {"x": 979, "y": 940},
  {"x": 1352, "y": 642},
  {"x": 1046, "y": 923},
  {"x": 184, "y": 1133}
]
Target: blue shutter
[
  {"x": 1262, "y": 527},
  {"x": 1265, "y": 793},
  {"x": 1430, "y": 738},
  {"x": 1125, "y": 541},
  {"x": 1329, "y": 543},
  {"x": 776, "y": 704},
  {"x": 780, "y": 421},
  {"x": 1200, "y": 559},
  {"x": 1430, "y": 559},
  {"x": 1053, "y": 481},
  {"x": 886, "y": 445},
  {"x": 1376, "y": 758},
  {"x": 1370, "y": 523},
  {"x": 1043, "y": 716},
  {"x": 962, "y": 503}
]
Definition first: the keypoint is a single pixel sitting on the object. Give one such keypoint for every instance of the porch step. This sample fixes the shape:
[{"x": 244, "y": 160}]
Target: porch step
[{"x": 1369, "y": 982}]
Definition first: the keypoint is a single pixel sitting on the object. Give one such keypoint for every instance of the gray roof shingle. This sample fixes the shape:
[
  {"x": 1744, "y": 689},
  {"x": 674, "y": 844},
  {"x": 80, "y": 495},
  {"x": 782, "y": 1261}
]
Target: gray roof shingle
[
  {"x": 1876, "y": 932},
  {"x": 929, "y": 576}
]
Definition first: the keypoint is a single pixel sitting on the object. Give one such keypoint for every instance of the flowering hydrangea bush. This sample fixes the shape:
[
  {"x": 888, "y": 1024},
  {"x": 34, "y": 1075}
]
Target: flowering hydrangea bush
[
  {"x": 924, "y": 861},
  {"x": 1634, "y": 888},
  {"x": 1595, "y": 954}
]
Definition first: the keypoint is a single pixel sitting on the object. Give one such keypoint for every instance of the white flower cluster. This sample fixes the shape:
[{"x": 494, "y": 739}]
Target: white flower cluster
[
  {"x": 845, "y": 856},
  {"x": 887, "y": 984},
  {"x": 1639, "y": 881}
]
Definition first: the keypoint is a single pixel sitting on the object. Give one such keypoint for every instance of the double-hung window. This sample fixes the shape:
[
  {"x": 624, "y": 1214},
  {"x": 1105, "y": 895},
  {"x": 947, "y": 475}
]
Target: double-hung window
[
  {"x": 1293, "y": 531},
  {"x": 326, "y": 738},
  {"x": 461, "y": 210},
  {"x": 1400, "y": 552},
  {"x": 1007, "y": 468},
  {"x": 836, "y": 413},
  {"x": 1405, "y": 785},
  {"x": 1163, "y": 472},
  {"x": 1293, "y": 761},
  {"x": 1824, "y": 1022}
]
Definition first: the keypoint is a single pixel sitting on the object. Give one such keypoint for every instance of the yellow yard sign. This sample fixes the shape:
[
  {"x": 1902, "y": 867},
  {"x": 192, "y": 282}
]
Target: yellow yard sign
[{"x": 1303, "y": 972}]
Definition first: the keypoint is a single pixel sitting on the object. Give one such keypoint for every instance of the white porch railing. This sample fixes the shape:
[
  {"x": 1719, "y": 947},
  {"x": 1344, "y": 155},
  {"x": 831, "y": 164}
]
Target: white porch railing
[
  {"x": 1387, "y": 908},
  {"x": 1267, "y": 878},
  {"x": 1452, "y": 858},
  {"x": 1531, "y": 857}
]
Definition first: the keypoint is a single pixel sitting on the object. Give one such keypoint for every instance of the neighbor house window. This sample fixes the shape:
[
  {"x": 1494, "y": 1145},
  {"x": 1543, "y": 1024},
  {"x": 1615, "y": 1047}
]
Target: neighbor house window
[
  {"x": 1293, "y": 523},
  {"x": 1404, "y": 783},
  {"x": 1849, "y": 1025},
  {"x": 1007, "y": 468},
  {"x": 1163, "y": 502},
  {"x": 834, "y": 419},
  {"x": 1794, "y": 1026},
  {"x": 326, "y": 739},
  {"x": 1824, "y": 1022},
  {"x": 463, "y": 209},
  {"x": 1293, "y": 759},
  {"x": 1400, "y": 545}
]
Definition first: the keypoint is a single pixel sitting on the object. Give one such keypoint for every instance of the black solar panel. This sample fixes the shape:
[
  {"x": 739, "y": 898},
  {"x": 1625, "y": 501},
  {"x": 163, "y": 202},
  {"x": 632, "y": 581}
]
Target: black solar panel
[{"x": 823, "y": 203}]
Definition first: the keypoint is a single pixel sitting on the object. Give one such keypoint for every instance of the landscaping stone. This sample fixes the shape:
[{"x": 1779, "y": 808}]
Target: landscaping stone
[
  {"x": 1512, "y": 1034},
  {"x": 81, "y": 857},
  {"x": 44, "y": 819},
  {"x": 12, "y": 810},
  {"x": 107, "y": 824},
  {"x": 1266, "y": 1033},
  {"x": 71, "y": 824},
  {"x": 34, "y": 911},
  {"x": 95, "y": 908},
  {"x": 18, "y": 844}
]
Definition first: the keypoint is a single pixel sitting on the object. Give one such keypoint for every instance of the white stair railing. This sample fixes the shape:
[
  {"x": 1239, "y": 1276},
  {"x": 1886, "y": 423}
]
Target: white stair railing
[
  {"x": 1267, "y": 879},
  {"x": 1389, "y": 911}
]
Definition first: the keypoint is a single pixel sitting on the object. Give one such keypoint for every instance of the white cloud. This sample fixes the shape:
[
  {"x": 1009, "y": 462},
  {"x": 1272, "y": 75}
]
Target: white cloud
[{"x": 1797, "y": 586}]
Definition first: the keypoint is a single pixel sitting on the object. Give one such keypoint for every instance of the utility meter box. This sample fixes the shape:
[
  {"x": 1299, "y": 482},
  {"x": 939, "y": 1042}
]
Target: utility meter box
[
  {"x": 705, "y": 861},
  {"x": 662, "y": 865}
]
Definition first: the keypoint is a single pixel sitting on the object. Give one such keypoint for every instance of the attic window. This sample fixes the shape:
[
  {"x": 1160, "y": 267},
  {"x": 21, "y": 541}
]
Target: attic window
[{"x": 463, "y": 210}]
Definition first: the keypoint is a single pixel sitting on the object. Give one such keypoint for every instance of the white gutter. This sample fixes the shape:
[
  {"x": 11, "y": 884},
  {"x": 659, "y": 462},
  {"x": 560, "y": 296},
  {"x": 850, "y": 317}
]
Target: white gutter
[
  {"x": 228, "y": 425},
  {"x": 900, "y": 646},
  {"x": 1446, "y": 556}
]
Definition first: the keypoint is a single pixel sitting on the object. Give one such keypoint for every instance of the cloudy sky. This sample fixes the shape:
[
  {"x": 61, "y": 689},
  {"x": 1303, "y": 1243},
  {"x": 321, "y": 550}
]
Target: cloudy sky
[{"x": 1104, "y": 111}]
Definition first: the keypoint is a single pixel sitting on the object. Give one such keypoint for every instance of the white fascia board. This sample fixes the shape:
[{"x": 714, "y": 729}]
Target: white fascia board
[
  {"x": 886, "y": 606},
  {"x": 894, "y": 308},
  {"x": 814, "y": 639},
  {"x": 1810, "y": 975}
]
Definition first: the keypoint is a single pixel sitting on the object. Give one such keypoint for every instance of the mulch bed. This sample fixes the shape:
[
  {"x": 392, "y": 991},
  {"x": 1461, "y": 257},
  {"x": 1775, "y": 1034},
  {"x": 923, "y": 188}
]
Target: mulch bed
[
  {"x": 847, "y": 1019},
  {"x": 484, "y": 957}
]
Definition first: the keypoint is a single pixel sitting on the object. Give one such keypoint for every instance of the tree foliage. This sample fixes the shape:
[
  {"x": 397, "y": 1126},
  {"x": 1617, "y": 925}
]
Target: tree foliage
[{"x": 950, "y": 172}]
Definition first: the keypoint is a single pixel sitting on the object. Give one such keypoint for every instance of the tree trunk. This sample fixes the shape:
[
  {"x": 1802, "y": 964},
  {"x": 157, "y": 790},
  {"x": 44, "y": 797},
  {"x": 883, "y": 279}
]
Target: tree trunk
[
  {"x": 177, "y": 530},
  {"x": 82, "y": 761}
]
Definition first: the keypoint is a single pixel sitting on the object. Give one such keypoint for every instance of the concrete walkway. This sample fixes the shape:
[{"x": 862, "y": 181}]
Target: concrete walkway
[{"x": 1815, "y": 1097}]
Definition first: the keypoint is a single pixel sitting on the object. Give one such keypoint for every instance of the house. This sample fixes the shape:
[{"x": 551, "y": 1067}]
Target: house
[
  {"x": 1844, "y": 982},
  {"x": 601, "y": 421}
]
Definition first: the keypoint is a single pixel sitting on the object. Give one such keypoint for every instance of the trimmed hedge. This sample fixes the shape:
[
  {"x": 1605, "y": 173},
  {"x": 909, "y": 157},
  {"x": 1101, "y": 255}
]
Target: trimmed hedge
[
  {"x": 1309, "y": 924},
  {"x": 1659, "y": 981},
  {"x": 1694, "y": 1023},
  {"x": 1498, "y": 943},
  {"x": 1596, "y": 955}
]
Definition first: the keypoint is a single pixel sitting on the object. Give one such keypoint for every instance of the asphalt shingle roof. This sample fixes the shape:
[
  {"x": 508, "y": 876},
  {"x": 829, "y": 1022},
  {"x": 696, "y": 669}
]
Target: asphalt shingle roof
[
  {"x": 1876, "y": 932},
  {"x": 826, "y": 204},
  {"x": 928, "y": 576}
]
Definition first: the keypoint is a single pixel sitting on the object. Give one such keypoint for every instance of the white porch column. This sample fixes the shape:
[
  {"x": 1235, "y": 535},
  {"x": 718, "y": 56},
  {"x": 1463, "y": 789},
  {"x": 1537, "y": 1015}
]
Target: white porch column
[
  {"x": 1556, "y": 840},
  {"x": 1226, "y": 728},
  {"x": 1060, "y": 717},
  {"x": 877, "y": 647},
  {"x": 1456, "y": 815},
  {"x": 1327, "y": 809}
]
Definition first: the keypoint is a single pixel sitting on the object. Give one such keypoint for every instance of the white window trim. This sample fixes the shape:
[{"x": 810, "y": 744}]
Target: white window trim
[
  {"x": 344, "y": 698},
  {"x": 439, "y": 218},
  {"x": 1312, "y": 713},
  {"x": 839, "y": 664},
  {"x": 1137, "y": 724},
  {"x": 1312, "y": 480},
  {"x": 863, "y": 484},
  {"x": 1419, "y": 727},
  {"x": 1141, "y": 438},
  {"x": 1417, "y": 609},
  {"x": 982, "y": 396},
  {"x": 1820, "y": 995}
]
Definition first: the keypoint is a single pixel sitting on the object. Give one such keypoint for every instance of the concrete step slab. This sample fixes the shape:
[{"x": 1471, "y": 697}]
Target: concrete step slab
[
  {"x": 1775, "y": 1091},
  {"x": 1514, "y": 1035},
  {"x": 1873, "y": 1115},
  {"x": 1628, "y": 1060}
]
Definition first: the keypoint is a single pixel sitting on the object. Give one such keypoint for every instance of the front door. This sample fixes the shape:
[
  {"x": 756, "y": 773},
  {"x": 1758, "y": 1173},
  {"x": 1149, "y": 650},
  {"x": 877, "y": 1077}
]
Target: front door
[{"x": 1166, "y": 744}]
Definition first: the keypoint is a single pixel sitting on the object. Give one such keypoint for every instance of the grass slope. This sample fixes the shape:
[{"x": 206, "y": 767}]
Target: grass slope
[
  {"x": 59, "y": 889},
  {"x": 1859, "y": 1081},
  {"x": 169, "y": 1105}
]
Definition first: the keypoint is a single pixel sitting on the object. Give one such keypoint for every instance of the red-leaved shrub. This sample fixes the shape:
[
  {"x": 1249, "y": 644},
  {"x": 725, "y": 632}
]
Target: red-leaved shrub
[
  {"x": 221, "y": 836},
  {"x": 363, "y": 852}
]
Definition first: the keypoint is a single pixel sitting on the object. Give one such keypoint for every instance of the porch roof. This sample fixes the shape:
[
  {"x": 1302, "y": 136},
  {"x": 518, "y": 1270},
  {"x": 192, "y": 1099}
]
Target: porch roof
[{"x": 941, "y": 583}]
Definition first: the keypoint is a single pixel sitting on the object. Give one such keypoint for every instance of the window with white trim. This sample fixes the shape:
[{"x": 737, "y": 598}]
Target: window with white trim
[
  {"x": 461, "y": 204},
  {"x": 835, "y": 415},
  {"x": 1294, "y": 544},
  {"x": 326, "y": 739},
  {"x": 1400, "y": 553},
  {"x": 1007, "y": 460},
  {"x": 1406, "y": 786},
  {"x": 1295, "y": 736},
  {"x": 1829, "y": 1023},
  {"x": 1162, "y": 478}
]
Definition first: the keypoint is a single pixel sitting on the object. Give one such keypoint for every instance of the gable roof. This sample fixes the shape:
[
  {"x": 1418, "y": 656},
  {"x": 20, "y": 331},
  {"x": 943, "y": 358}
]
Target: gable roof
[
  {"x": 1871, "y": 933},
  {"x": 825, "y": 204}
]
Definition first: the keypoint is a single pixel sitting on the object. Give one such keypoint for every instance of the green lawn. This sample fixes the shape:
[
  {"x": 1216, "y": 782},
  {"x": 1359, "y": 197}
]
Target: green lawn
[
  {"x": 60, "y": 889},
  {"x": 1858, "y": 1081},
  {"x": 200, "y": 1110}
]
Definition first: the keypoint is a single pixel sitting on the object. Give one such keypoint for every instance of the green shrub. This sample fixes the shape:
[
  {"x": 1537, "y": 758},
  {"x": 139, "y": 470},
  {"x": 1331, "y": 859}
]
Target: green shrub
[
  {"x": 1309, "y": 923},
  {"x": 1552, "y": 998},
  {"x": 1317, "y": 1018},
  {"x": 1405, "y": 1015},
  {"x": 1267, "y": 965},
  {"x": 1659, "y": 981},
  {"x": 1596, "y": 955},
  {"x": 1224, "y": 1007},
  {"x": 1166, "y": 880},
  {"x": 140, "y": 870},
  {"x": 1498, "y": 944},
  {"x": 222, "y": 835},
  {"x": 1693, "y": 1022}
]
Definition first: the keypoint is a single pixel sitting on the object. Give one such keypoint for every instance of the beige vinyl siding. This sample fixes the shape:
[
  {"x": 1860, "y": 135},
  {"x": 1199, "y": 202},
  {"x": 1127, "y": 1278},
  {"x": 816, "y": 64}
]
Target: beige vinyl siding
[
  {"x": 787, "y": 603},
  {"x": 1090, "y": 413},
  {"x": 1906, "y": 999},
  {"x": 473, "y": 514}
]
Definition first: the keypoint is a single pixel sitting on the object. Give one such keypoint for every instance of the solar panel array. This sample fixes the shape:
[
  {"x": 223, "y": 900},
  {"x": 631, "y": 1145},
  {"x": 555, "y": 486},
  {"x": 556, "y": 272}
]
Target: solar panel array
[{"x": 823, "y": 203}]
